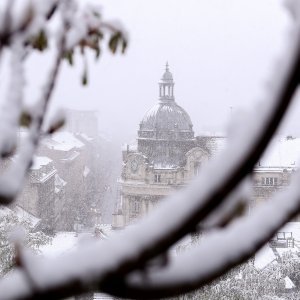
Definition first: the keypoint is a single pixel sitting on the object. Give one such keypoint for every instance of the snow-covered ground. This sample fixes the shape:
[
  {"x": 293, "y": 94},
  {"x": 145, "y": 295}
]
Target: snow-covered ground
[
  {"x": 264, "y": 257},
  {"x": 62, "y": 242}
]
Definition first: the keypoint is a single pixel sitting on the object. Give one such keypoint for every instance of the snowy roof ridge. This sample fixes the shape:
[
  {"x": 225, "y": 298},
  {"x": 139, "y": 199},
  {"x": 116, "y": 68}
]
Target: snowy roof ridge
[
  {"x": 45, "y": 176},
  {"x": 283, "y": 152},
  {"x": 40, "y": 161},
  {"x": 63, "y": 141},
  {"x": 86, "y": 137}
]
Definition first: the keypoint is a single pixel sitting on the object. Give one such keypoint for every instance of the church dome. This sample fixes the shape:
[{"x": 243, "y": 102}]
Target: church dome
[
  {"x": 166, "y": 131},
  {"x": 166, "y": 119},
  {"x": 166, "y": 116}
]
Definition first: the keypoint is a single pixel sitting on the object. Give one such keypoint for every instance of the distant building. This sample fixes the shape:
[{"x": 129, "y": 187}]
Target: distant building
[
  {"x": 69, "y": 157},
  {"x": 38, "y": 197},
  {"x": 167, "y": 155},
  {"x": 69, "y": 178},
  {"x": 273, "y": 171}
]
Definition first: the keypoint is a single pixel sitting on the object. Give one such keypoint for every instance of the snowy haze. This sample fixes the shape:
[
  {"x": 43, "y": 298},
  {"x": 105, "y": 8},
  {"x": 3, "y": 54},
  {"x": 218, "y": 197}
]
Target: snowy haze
[{"x": 221, "y": 54}]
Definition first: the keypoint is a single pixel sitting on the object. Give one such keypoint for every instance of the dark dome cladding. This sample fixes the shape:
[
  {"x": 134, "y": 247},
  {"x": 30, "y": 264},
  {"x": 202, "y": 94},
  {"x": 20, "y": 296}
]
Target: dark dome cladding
[{"x": 166, "y": 116}]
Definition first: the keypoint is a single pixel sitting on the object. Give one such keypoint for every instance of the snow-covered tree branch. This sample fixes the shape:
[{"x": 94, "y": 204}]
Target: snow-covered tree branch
[
  {"x": 222, "y": 250},
  {"x": 121, "y": 266},
  {"x": 23, "y": 36}
]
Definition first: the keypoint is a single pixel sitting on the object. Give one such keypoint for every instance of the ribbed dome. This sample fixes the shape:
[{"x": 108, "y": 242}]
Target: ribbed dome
[
  {"x": 166, "y": 116},
  {"x": 166, "y": 131}
]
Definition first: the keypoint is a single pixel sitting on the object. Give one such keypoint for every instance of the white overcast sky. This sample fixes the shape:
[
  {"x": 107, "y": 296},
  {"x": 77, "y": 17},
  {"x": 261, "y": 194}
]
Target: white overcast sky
[{"x": 221, "y": 54}]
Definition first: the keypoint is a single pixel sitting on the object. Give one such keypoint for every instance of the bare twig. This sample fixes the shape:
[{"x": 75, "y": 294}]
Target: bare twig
[
  {"x": 235, "y": 174},
  {"x": 111, "y": 271},
  {"x": 111, "y": 264}
]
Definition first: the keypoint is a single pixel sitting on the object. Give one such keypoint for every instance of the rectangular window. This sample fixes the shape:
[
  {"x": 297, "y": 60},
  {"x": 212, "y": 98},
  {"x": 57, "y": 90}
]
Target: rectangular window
[
  {"x": 280, "y": 236},
  {"x": 269, "y": 180},
  {"x": 135, "y": 206},
  {"x": 157, "y": 178},
  {"x": 196, "y": 168}
]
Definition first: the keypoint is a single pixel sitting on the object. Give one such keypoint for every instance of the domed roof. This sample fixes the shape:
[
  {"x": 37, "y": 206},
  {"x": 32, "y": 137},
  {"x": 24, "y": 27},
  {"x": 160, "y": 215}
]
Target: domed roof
[
  {"x": 166, "y": 116},
  {"x": 166, "y": 131}
]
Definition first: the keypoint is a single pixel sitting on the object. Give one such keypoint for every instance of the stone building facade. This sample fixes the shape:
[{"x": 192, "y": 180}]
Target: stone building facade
[
  {"x": 69, "y": 156},
  {"x": 60, "y": 186},
  {"x": 269, "y": 180},
  {"x": 38, "y": 197},
  {"x": 167, "y": 155},
  {"x": 276, "y": 167}
]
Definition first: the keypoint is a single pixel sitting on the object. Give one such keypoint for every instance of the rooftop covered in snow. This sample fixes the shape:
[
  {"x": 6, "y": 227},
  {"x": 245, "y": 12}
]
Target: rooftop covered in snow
[
  {"x": 39, "y": 162},
  {"x": 283, "y": 152},
  {"x": 63, "y": 141}
]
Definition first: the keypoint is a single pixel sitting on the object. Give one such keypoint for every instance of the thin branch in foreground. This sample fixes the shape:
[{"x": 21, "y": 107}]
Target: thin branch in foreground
[
  {"x": 216, "y": 254},
  {"x": 205, "y": 196},
  {"x": 103, "y": 264},
  {"x": 12, "y": 180},
  {"x": 106, "y": 264}
]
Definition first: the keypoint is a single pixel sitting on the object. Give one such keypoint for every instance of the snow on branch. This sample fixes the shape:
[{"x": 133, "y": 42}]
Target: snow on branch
[
  {"x": 12, "y": 180},
  {"x": 106, "y": 264},
  {"x": 11, "y": 110},
  {"x": 217, "y": 253},
  {"x": 22, "y": 34},
  {"x": 32, "y": 20}
]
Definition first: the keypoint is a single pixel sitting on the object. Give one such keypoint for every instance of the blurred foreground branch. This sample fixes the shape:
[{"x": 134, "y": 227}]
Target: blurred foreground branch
[{"x": 120, "y": 266}]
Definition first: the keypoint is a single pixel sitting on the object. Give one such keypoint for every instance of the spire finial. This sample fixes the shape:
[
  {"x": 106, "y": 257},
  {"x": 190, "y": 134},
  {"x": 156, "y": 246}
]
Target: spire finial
[
  {"x": 166, "y": 85},
  {"x": 167, "y": 67}
]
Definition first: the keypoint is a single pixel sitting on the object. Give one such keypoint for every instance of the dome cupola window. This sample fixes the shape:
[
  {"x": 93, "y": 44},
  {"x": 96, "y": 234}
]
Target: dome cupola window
[{"x": 166, "y": 85}]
